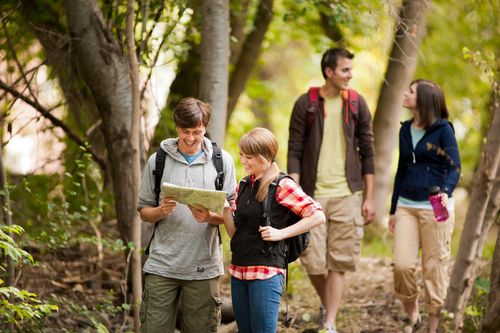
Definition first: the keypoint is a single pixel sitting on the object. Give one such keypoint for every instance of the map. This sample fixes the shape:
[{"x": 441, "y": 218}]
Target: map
[{"x": 210, "y": 199}]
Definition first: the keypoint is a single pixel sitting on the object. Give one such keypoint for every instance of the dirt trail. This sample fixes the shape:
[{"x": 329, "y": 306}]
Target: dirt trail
[{"x": 369, "y": 305}]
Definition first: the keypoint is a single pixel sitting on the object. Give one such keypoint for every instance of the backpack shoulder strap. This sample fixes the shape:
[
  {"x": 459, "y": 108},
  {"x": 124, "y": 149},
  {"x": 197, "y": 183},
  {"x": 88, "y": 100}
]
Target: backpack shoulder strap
[
  {"x": 353, "y": 101},
  {"x": 219, "y": 167},
  {"x": 242, "y": 184},
  {"x": 352, "y": 104},
  {"x": 219, "y": 179},
  {"x": 271, "y": 195},
  {"x": 158, "y": 172},
  {"x": 313, "y": 108}
]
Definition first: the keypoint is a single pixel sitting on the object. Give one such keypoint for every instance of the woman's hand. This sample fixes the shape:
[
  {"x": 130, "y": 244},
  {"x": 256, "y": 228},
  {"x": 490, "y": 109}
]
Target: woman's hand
[
  {"x": 271, "y": 234},
  {"x": 200, "y": 213},
  {"x": 444, "y": 199},
  {"x": 392, "y": 222},
  {"x": 167, "y": 206}
]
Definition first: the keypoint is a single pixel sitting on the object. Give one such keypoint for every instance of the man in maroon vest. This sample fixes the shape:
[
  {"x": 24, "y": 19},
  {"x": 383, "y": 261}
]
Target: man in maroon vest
[{"x": 331, "y": 155}]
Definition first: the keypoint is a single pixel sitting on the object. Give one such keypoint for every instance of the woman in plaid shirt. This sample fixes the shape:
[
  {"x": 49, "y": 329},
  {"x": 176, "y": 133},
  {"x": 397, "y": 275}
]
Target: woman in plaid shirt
[{"x": 259, "y": 263}]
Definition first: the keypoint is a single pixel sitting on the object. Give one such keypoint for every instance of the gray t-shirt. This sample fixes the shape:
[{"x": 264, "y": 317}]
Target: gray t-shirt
[{"x": 181, "y": 247}]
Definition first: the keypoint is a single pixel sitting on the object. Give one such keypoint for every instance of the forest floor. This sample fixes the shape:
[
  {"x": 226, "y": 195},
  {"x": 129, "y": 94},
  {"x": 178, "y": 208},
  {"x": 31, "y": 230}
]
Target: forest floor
[
  {"x": 86, "y": 298},
  {"x": 89, "y": 290},
  {"x": 368, "y": 302}
]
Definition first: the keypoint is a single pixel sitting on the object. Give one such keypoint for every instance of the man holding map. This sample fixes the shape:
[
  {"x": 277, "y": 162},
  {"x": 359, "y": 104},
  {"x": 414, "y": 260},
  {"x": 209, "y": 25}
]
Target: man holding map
[{"x": 185, "y": 256}]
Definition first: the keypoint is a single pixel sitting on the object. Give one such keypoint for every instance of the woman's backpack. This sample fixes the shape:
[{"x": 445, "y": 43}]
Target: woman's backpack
[{"x": 295, "y": 245}]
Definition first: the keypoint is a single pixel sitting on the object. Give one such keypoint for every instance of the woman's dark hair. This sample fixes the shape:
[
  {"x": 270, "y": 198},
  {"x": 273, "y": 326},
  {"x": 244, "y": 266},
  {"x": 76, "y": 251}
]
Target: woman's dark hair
[
  {"x": 329, "y": 58},
  {"x": 431, "y": 103},
  {"x": 191, "y": 113}
]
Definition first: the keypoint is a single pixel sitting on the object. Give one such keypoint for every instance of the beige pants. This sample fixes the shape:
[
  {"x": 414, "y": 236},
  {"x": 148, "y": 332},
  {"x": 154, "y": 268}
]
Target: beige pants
[
  {"x": 336, "y": 245},
  {"x": 417, "y": 228}
]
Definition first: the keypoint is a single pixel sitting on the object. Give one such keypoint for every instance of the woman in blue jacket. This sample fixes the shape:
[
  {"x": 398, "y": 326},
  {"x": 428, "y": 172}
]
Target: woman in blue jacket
[{"x": 428, "y": 156}]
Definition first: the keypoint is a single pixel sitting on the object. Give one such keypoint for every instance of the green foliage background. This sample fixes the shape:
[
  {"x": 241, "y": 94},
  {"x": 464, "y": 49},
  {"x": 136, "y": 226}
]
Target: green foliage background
[{"x": 460, "y": 51}]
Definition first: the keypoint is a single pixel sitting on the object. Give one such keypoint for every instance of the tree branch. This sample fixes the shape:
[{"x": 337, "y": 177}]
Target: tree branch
[
  {"x": 238, "y": 18},
  {"x": 145, "y": 35},
  {"x": 157, "y": 54},
  {"x": 45, "y": 113},
  {"x": 249, "y": 54},
  {"x": 16, "y": 59},
  {"x": 16, "y": 81},
  {"x": 331, "y": 29}
]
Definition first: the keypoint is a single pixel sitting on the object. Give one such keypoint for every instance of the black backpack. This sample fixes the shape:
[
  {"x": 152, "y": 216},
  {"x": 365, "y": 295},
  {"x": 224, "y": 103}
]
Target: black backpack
[
  {"x": 158, "y": 173},
  {"x": 296, "y": 245}
]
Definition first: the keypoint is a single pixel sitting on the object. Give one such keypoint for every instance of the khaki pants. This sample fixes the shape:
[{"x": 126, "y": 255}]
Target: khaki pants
[
  {"x": 200, "y": 304},
  {"x": 336, "y": 245},
  {"x": 417, "y": 228}
]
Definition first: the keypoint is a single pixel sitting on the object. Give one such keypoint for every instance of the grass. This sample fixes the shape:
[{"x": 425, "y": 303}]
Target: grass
[{"x": 377, "y": 242}]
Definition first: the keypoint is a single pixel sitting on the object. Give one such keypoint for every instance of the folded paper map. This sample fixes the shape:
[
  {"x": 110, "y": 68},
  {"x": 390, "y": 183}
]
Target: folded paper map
[{"x": 210, "y": 199}]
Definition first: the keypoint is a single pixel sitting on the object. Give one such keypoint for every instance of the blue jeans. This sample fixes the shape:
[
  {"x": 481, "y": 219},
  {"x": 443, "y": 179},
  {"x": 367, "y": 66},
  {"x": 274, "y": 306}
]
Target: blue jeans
[{"x": 256, "y": 304}]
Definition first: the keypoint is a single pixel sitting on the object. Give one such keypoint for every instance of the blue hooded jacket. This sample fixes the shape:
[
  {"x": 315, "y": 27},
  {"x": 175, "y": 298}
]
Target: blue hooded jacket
[{"x": 435, "y": 161}]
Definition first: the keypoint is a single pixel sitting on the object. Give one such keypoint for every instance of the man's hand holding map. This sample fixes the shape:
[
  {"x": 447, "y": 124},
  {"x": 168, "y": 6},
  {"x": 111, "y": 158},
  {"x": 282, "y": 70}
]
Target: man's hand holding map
[{"x": 210, "y": 199}]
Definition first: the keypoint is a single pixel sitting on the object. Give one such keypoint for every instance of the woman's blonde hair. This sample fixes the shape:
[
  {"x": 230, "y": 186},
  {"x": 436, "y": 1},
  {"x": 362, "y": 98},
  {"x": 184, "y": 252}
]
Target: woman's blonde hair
[{"x": 261, "y": 143}]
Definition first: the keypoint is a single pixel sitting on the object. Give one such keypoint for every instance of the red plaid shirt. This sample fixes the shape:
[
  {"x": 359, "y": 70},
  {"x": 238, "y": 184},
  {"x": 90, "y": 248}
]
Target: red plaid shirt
[{"x": 290, "y": 195}]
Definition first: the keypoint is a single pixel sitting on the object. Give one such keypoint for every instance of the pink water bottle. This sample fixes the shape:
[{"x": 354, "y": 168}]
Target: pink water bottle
[{"x": 440, "y": 211}]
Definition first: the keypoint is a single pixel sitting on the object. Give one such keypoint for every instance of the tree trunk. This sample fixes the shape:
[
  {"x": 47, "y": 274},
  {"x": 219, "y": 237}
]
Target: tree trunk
[
  {"x": 82, "y": 111},
  {"x": 107, "y": 75},
  {"x": 7, "y": 219},
  {"x": 136, "y": 165},
  {"x": 472, "y": 241},
  {"x": 186, "y": 82},
  {"x": 187, "y": 78},
  {"x": 238, "y": 17},
  {"x": 6, "y": 215},
  {"x": 249, "y": 54},
  {"x": 261, "y": 105},
  {"x": 242, "y": 56},
  {"x": 400, "y": 69},
  {"x": 494, "y": 205},
  {"x": 214, "y": 64},
  {"x": 491, "y": 322}
]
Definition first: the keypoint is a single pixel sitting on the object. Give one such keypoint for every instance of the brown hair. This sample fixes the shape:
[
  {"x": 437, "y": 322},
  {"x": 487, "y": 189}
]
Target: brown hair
[
  {"x": 261, "y": 143},
  {"x": 191, "y": 113},
  {"x": 431, "y": 103},
  {"x": 329, "y": 58}
]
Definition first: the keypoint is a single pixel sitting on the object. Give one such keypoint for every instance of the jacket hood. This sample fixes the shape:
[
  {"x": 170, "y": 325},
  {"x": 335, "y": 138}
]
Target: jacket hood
[
  {"x": 440, "y": 123},
  {"x": 170, "y": 146}
]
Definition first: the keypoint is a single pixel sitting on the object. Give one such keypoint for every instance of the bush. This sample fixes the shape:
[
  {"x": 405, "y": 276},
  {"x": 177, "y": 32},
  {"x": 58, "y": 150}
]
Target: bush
[{"x": 18, "y": 306}]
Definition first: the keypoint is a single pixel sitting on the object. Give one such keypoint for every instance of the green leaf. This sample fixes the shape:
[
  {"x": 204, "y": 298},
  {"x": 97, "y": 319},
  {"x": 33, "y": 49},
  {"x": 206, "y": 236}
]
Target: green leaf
[
  {"x": 472, "y": 311},
  {"x": 466, "y": 52},
  {"x": 14, "y": 252},
  {"x": 101, "y": 328},
  {"x": 483, "y": 284}
]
